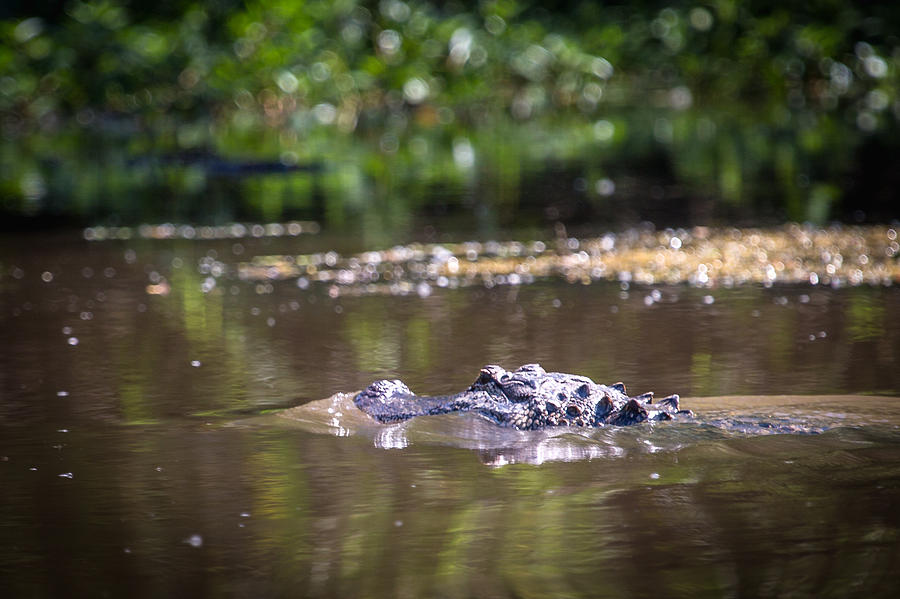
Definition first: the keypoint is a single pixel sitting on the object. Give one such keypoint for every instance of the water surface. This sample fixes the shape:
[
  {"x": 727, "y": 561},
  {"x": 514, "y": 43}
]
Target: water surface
[{"x": 139, "y": 456}]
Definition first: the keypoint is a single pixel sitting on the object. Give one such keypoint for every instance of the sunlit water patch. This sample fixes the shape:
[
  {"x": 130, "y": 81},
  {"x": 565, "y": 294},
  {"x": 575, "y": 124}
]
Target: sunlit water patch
[
  {"x": 702, "y": 257},
  {"x": 202, "y": 232}
]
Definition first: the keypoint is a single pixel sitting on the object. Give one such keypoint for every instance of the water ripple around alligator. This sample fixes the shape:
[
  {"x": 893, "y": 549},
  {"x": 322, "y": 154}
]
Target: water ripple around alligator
[{"x": 720, "y": 424}]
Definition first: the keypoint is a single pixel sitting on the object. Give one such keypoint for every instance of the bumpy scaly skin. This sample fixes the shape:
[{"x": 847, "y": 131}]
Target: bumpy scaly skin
[{"x": 527, "y": 398}]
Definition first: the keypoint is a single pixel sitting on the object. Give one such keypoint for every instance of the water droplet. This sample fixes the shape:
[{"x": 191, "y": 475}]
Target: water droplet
[
  {"x": 73, "y": 340},
  {"x": 46, "y": 276},
  {"x": 67, "y": 475},
  {"x": 194, "y": 541},
  {"x": 196, "y": 363}
]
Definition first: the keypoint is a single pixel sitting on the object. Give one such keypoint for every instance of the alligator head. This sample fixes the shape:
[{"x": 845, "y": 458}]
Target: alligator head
[{"x": 526, "y": 398}]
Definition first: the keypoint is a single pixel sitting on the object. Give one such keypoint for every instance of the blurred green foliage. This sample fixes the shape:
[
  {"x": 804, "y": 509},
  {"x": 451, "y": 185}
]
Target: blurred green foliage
[{"x": 789, "y": 107}]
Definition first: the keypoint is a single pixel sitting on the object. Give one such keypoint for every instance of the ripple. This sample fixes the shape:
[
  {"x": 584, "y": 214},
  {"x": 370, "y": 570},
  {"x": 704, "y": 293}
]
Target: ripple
[{"x": 720, "y": 422}]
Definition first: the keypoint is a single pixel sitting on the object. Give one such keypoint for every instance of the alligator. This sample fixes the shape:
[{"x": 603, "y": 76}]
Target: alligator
[{"x": 528, "y": 398}]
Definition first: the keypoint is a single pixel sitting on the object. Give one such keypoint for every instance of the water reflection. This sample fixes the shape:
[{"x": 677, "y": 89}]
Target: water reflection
[{"x": 278, "y": 510}]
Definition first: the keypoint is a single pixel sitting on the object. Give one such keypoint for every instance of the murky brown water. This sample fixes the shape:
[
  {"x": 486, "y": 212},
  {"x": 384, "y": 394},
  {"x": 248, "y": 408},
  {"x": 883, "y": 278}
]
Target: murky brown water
[{"x": 135, "y": 458}]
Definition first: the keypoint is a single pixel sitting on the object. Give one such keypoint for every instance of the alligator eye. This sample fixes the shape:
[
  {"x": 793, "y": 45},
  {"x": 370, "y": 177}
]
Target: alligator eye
[
  {"x": 573, "y": 410},
  {"x": 488, "y": 374},
  {"x": 504, "y": 378}
]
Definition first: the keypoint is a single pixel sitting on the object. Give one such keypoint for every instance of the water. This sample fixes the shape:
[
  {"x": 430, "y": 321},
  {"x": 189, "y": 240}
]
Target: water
[{"x": 140, "y": 454}]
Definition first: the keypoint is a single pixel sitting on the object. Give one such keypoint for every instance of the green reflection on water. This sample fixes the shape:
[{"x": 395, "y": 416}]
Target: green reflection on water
[
  {"x": 135, "y": 401},
  {"x": 281, "y": 496},
  {"x": 418, "y": 344},
  {"x": 375, "y": 339},
  {"x": 706, "y": 519},
  {"x": 201, "y": 314},
  {"x": 701, "y": 373},
  {"x": 865, "y": 315}
]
